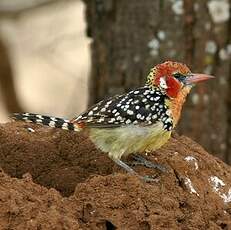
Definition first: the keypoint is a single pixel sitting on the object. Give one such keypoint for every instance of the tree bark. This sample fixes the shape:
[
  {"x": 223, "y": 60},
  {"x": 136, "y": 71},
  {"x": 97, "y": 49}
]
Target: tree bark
[{"x": 129, "y": 37}]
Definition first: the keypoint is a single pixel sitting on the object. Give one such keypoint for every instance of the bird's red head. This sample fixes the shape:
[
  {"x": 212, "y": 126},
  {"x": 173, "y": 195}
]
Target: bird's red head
[{"x": 171, "y": 77}]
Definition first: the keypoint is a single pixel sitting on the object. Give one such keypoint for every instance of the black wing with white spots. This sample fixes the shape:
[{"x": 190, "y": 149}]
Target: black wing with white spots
[{"x": 143, "y": 106}]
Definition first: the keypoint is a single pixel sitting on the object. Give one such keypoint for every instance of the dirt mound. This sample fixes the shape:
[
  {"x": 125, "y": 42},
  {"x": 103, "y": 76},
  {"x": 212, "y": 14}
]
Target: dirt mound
[
  {"x": 25, "y": 205},
  {"x": 194, "y": 193}
]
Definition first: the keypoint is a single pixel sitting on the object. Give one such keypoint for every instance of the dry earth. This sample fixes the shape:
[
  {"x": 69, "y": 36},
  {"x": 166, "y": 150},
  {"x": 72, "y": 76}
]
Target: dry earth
[{"x": 55, "y": 179}]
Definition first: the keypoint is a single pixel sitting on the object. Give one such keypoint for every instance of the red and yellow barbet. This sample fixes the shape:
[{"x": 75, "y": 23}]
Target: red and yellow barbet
[{"x": 140, "y": 120}]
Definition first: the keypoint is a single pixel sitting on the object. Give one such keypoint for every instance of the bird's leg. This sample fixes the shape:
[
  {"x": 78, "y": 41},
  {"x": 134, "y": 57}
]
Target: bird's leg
[
  {"x": 124, "y": 166},
  {"x": 139, "y": 160},
  {"x": 130, "y": 170}
]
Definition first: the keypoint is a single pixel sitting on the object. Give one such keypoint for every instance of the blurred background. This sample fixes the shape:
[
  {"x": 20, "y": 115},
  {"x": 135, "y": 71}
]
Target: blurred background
[
  {"x": 59, "y": 56},
  {"x": 44, "y": 57}
]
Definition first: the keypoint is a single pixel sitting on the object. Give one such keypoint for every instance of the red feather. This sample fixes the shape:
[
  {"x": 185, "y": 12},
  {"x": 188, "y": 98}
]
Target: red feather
[
  {"x": 167, "y": 69},
  {"x": 174, "y": 86}
]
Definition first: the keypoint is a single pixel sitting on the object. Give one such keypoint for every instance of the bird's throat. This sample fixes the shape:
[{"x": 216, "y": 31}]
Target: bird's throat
[{"x": 177, "y": 103}]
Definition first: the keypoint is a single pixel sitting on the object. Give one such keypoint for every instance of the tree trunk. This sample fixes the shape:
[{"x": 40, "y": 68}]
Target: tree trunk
[{"x": 129, "y": 37}]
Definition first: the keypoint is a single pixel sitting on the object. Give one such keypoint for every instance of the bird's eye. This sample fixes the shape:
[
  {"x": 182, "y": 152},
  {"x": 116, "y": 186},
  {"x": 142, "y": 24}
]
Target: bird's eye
[{"x": 179, "y": 77}]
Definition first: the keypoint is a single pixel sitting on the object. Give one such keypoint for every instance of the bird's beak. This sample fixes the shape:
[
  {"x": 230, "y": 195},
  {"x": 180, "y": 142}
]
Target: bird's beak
[{"x": 193, "y": 78}]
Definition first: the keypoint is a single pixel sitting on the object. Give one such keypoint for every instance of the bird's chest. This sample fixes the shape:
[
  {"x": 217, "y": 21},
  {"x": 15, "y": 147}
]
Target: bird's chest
[{"x": 130, "y": 139}]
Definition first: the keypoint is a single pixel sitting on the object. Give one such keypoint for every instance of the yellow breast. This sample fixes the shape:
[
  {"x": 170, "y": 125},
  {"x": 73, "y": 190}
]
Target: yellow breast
[{"x": 129, "y": 139}]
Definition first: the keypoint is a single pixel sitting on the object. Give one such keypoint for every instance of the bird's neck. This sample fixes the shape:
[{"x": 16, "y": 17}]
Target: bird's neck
[{"x": 177, "y": 103}]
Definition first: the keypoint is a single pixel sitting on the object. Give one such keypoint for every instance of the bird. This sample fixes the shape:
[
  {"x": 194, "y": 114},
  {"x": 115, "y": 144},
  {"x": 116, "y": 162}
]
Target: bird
[{"x": 138, "y": 121}]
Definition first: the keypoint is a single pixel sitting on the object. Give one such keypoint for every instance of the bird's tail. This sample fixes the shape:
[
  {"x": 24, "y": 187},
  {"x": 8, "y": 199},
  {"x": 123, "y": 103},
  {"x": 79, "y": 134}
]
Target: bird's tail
[{"x": 54, "y": 122}]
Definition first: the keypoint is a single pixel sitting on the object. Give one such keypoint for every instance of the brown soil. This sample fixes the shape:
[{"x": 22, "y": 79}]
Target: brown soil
[{"x": 93, "y": 193}]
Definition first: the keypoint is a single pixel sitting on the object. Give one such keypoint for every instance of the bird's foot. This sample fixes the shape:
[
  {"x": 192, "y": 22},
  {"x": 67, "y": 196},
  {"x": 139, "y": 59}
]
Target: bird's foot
[
  {"x": 148, "y": 179},
  {"x": 130, "y": 170},
  {"x": 139, "y": 160}
]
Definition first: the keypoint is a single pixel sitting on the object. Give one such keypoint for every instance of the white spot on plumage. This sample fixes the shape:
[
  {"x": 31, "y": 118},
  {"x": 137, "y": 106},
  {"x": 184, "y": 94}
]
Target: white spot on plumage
[
  {"x": 163, "y": 83},
  {"x": 147, "y": 106},
  {"x": 80, "y": 116},
  {"x": 138, "y": 116},
  {"x": 146, "y": 92},
  {"x": 90, "y": 113},
  {"x": 148, "y": 118},
  {"x": 168, "y": 112},
  {"x": 101, "y": 119},
  {"x": 52, "y": 123},
  {"x": 119, "y": 118},
  {"x": 109, "y": 102},
  {"x": 53, "y": 118},
  {"x": 130, "y": 112},
  {"x": 112, "y": 120},
  {"x": 169, "y": 120},
  {"x": 90, "y": 119},
  {"x": 65, "y": 126},
  {"x": 154, "y": 116},
  {"x": 40, "y": 116},
  {"x": 156, "y": 98},
  {"x": 128, "y": 121},
  {"x": 137, "y": 107},
  {"x": 103, "y": 109}
]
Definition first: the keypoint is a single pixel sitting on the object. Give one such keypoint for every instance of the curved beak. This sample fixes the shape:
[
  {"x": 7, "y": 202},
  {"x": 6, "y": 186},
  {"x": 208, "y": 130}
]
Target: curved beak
[{"x": 193, "y": 78}]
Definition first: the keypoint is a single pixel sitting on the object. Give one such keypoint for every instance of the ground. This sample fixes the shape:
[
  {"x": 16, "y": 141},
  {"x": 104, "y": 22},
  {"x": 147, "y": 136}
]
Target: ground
[{"x": 55, "y": 179}]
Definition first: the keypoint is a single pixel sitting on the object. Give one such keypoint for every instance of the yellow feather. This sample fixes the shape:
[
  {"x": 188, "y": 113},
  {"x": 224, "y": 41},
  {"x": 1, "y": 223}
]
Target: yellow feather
[{"x": 129, "y": 139}]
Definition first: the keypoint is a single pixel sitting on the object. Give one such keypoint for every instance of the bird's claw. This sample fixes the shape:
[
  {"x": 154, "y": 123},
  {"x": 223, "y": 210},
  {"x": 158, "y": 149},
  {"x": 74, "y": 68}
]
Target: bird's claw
[
  {"x": 139, "y": 160},
  {"x": 148, "y": 179}
]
